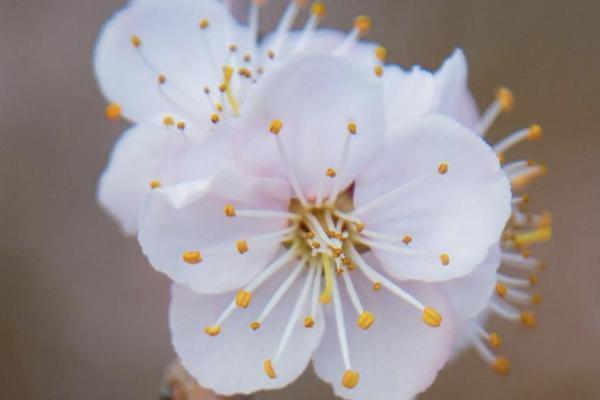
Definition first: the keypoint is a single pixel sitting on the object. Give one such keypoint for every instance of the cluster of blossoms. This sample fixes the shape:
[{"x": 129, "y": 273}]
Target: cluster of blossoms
[{"x": 311, "y": 202}]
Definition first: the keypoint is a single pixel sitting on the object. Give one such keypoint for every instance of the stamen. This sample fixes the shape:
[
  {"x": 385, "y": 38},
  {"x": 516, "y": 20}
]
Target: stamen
[
  {"x": 518, "y": 261},
  {"x": 242, "y": 246},
  {"x": 522, "y": 179},
  {"x": 243, "y": 299},
  {"x": 269, "y": 370},
  {"x": 230, "y": 211},
  {"x": 168, "y": 120},
  {"x": 444, "y": 258},
  {"x": 112, "y": 112},
  {"x": 341, "y": 165},
  {"x": 499, "y": 363},
  {"x": 534, "y": 132},
  {"x": 192, "y": 257},
  {"x": 341, "y": 329},
  {"x": 285, "y": 23},
  {"x": 350, "y": 379},
  {"x": 362, "y": 25},
  {"x": 539, "y": 235},
  {"x": 155, "y": 184},
  {"x": 318, "y": 11},
  {"x": 316, "y": 288},
  {"x": 518, "y": 283},
  {"x": 504, "y": 102},
  {"x": 353, "y": 295}
]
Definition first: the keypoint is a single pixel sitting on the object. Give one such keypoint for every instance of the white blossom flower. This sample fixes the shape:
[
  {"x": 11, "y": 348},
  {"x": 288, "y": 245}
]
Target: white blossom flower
[{"x": 309, "y": 202}]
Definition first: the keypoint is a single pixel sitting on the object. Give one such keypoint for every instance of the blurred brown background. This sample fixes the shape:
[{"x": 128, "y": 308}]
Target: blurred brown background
[{"x": 83, "y": 317}]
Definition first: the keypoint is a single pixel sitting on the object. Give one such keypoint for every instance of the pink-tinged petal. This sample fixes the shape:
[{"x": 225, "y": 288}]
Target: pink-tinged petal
[
  {"x": 443, "y": 186},
  {"x": 232, "y": 362},
  {"x": 172, "y": 44},
  {"x": 455, "y": 99},
  {"x": 143, "y": 156},
  {"x": 315, "y": 97},
  {"x": 408, "y": 95},
  {"x": 185, "y": 233},
  {"x": 471, "y": 294},
  {"x": 398, "y": 356}
]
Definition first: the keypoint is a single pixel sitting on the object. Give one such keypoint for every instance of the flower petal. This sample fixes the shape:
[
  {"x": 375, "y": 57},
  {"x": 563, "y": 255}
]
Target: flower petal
[
  {"x": 399, "y": 356},
  {"x": 172, "y": 44},
  {"x": 452, "y": 217},
  {"x": 232, "y": 362},
  {"x": 189, "y": 218},
  {"x": 315, "y": 97}
]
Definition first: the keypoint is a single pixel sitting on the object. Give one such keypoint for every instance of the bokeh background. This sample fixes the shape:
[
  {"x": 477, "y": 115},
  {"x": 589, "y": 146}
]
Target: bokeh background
[{"x": 82, "y": 316}]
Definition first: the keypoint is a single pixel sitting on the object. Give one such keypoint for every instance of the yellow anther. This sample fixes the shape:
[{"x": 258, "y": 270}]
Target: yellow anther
[
  {"x": 363, "y": 24},
  {"x": 243, "y": 299},
  {"x": 269, "y": 370},
  {"x": 331, "y": 173},
  {"x": 534, "y": 280},
  {"x": 545, "y": 220},
  {"x": 407, "y": 239},
  {"x": 352, "y": 129},
  {"x": 255, "y": 326},
  {"x": 336, "y": 251},
  {"x": 136, "y": 41},
  {"x": 181, "y": 125},
  {"x": 213, "y": 330},
  {"x": 495, "y": 340},
  {"x": 365, "y": 320},
  {"x": 501, "y": 290},
  {"x": 431, "y": 317},
  {"x": 501, "y": 365},
  {"x": 318, "y": 9},
  {"x": 339, "y": 271},
  {"x": 378, "y": 71},
  {"x": 155, "y": 184},
  {"x": 377, "y": 286},
  {"x": 537, "y": 299},
  {"x": 501, "y": 158},
  {"x": 229, "y": 210},
  {"x": 381, "y": 53},
  {"x": 219, "y": 107},
  {"x": 315, "y": 245},
  {"x": 161, "y": 79},
  {"x": 245, "y": 72},
  {"x": 271, "y": 54},
  {"x": 443, "y": 168},
  {"x": 112, "y": 112},
  {"x": 168, "y": 120},
  {"x": 535, "y": 132},
  {"x": 309, "y": 322},
  {"x": 506, "y": 99},
  {"x": 528, "y": 319},
  {"x": 214, "y": 118},
  {"x": 222, "y": 87},
  {"x": 359, "y": 227},
  {"x": 535, "y": 236},
  {"x": 248, "y": 58},
  {"x": 445, "y": 259},
  {"x": 192, "y": 257},
  {"x": 275, "y": 126},
  {"x": 350, "y": 379},
  {"x": 309, "y": 235},
  {"x": 233, "y": 48},
  {"x": 204, "y": 24},
  {"x": 242, "y": 246}
]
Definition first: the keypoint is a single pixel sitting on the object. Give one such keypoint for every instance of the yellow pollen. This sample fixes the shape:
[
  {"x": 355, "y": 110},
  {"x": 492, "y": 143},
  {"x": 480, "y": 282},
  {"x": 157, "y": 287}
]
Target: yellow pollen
[
  {"x": 528, "y": 319},
  {"x": 162, "y": 79},
  {"x": 243, "y": 299},
  {"x": 155, "y": 184},
  {"x": 536, "y": 236},
  {"x": 215, "y": 118},
  {"x": 359, "y": 227},
  {"x": 336, "y": 252},
  {"x": 248, "y": 58},
  {"x": 255, "y": 326},
  {"x": 219, "y": 107},
  {"x": 381, "y": 53},
  {"x": 112, "y": 112},
  {"x": 495, "y": 340},
  {"x": 181, "y": 125},
  {"x": 309, "y": 322},
  {"x": 275, "y": 126},
  {"x": 233, "y": 48},
  {"x": 222, "y": 87},
  {"x": 204, "y": 24},
  {"x": 443, "y": 168},
  {"x": 310, "y": 235},
  {"x": 331, "y": 173},
  {"x": 192, "y": 257},
  {"x": 365, "y": 320},
  {"x": 501, "y": 290},
  {"x": 501, "y": 365},
  {"x": 269, "y": 370},
  {"x": 229, "y": 210},
  {"x": 407, "y": 239},
  {"x": 352, "y": 128},
  {"x": 339, "y": 271},
  {"x": 535, "y": 132},
  {"x": 350, "y": 379},
  {"x": 377, "y": 286},
  {"x": 378, "y": 71},
  {"x": 316, "y": 245},
  {"x": 506, "y": 99},
  {"x": 242, "y": 246},
  {"x": 537, "y": 299},
  {"x": 445, "y": 259},
  {"x": 501, "y": 158},
  {"x": 245, "y": 72},
  {"x": 431, "y": 317},
  {"x": 363, "y": 24},
  {"x": 318, "y": 9},
  {"x": 271, "y": 54},
  {"x": 168, "y": 120},
  {"x": 136, "y": 41},
  {"x": 213, "y": 330},
  {"x": 534, "y": 280}
]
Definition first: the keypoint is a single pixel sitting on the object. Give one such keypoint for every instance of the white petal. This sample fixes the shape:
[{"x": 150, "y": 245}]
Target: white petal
[
  {"x": 408, "y": 95},
  {"x": 399, "y": 356},
  {"x": 143, "y": 154},
  {"x": 190, "y": 217},
  {"x": 461, "y": 213},
  {"x": 173, "y": 44},
  {"x": 315, "y": 97},
  {"x": 470, "y": 295},
  {"x": 232, "y": 362}
]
